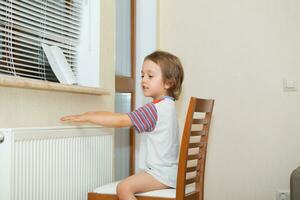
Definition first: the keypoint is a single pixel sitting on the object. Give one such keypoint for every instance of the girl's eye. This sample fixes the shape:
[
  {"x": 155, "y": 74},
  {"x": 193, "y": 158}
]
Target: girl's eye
[
  {"x": 150, "y": 76},
  {"x": 142, "y": 76}
]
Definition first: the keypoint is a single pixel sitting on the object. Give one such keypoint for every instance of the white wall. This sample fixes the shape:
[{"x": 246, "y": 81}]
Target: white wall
[{"x": 239, "y": 52}]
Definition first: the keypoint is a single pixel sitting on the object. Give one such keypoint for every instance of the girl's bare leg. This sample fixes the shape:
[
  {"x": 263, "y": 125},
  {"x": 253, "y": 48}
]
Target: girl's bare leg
[{"x": 141, "y": 182}]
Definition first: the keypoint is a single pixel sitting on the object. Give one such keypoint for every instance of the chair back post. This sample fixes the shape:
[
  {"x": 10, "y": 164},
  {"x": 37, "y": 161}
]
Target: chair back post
[
  {"x": 181, "y": 174},
  {"x": 208, "y": 108},
  {"x": 196, "y": 105}
]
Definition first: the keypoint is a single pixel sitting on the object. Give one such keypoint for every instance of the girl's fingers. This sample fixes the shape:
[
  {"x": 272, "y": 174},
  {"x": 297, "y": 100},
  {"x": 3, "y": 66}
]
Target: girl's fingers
[{"x": 70, "y": 118}]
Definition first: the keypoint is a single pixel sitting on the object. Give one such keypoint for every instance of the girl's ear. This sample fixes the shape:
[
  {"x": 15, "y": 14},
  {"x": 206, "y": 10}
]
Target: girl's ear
[{"x": 169, "y": 84}]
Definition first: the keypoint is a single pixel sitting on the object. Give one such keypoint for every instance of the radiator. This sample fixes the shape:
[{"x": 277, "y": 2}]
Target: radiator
[{"x": 56, "y": 163}]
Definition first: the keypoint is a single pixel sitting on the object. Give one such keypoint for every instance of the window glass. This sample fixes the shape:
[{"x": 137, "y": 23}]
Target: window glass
[
  {"x": 122, "y": 143},
  {"x": 123, "y": 38}
]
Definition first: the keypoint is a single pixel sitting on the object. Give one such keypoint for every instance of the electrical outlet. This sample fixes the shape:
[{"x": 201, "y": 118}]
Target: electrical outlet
[
  {"x": 289, "y": 85},
  {"x": 283, "y": 195}
]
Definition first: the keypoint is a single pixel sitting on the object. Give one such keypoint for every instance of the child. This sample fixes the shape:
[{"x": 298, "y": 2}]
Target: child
[{"x": 162, "y": 76}]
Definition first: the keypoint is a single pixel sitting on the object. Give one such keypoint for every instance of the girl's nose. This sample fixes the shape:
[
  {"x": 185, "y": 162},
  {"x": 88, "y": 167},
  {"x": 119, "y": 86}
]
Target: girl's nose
[{"x": 144, "y": 80}]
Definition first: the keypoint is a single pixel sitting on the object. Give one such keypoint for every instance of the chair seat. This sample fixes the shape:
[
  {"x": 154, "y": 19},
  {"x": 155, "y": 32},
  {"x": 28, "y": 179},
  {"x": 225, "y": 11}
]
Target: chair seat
[{"x": 165, "y": 193}]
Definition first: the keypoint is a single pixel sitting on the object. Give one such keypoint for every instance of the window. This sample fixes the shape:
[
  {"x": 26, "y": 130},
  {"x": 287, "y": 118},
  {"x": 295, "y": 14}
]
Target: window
[
  {"x": 26, "y": 24},
  {"x": 123, "y": 38}
]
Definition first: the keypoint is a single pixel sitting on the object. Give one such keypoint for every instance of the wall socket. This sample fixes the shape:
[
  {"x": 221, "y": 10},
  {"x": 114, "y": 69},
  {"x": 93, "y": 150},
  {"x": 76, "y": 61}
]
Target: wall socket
[
  {"x": 283, "y": 195},
  {"x": 290, "y": 85}
]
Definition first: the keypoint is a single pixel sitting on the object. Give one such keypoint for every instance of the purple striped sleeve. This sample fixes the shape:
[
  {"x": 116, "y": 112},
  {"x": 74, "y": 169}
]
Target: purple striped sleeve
[{"x": 144, "y": 118}]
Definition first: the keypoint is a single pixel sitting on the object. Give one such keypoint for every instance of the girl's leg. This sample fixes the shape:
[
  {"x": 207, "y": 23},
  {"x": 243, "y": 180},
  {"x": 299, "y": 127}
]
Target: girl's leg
[{"x": 141, "y": 182}]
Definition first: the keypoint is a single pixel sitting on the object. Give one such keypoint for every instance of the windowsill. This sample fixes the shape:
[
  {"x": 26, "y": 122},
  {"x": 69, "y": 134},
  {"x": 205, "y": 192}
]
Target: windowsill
[{"x": 19, "y": 82}]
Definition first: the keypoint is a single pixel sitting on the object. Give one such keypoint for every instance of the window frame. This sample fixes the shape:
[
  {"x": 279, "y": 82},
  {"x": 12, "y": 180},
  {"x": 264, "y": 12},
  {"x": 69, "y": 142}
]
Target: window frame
[{"x": 124, "y": 84}]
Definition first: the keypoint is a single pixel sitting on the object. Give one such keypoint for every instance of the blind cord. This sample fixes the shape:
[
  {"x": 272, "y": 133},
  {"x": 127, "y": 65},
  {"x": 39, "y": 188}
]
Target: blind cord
[
  {"x": 11, "y": 55},
  {"x": 43, "y": 39}
]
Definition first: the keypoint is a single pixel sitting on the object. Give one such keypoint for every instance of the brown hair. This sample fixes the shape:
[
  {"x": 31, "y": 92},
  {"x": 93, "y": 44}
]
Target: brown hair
[{"x": 172, "y": 70}]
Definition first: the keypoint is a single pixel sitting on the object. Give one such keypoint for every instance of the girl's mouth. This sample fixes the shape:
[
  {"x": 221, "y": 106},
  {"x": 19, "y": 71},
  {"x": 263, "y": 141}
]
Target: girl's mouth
[{"x": 145, "y": 88}]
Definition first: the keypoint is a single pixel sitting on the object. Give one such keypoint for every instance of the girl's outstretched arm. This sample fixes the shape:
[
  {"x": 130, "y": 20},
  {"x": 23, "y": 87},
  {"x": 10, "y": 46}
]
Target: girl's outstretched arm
[{"x": 108, "y": 119}]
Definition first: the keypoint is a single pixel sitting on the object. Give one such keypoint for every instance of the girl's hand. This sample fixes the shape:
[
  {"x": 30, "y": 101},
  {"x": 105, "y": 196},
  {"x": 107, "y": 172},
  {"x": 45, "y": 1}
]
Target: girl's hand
[{"x": 74, "y": 118}]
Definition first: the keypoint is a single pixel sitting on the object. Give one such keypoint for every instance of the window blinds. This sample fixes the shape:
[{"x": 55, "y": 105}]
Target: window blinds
[{"x": 26, "y": 24}]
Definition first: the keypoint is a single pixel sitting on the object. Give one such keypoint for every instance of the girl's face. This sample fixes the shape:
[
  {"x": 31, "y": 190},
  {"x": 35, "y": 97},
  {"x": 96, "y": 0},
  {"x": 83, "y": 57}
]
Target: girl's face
[{"x": 152, "y": 80}]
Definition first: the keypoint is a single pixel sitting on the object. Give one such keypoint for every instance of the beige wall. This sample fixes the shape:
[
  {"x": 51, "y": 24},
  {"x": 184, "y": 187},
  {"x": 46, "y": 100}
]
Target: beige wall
[
  {"x": 239, "y": 52},
  {"x": 30, "y": 108}
]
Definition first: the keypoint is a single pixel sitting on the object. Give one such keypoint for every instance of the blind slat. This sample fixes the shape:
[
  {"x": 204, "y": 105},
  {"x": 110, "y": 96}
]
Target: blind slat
[
  {"x": 16, "y": 68},
  {"x": 37, "y": 67},
  {"x": 37, "y": 61},
  {"x": 43, "y": 33},
  {"x": 39, "y": 40},
  {"x": 52, "y": 12},
  {"x": 30, "y": 76},
  {"x": 55, "y": 6},
  {"x": 24, "y": 52},
  {"x": 27, "y": 54},
  {"x": 33, "y": 45},
  {"x": 30, "y": 11},
  {"x": 38, "y": 24},
  {"x": 74, "y": 6},
  {"x": 27, "y": 67}
]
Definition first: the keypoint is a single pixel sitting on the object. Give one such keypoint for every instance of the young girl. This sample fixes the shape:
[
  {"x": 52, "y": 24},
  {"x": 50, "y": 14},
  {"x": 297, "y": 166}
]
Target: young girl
[{"x": 162, "y": 76}]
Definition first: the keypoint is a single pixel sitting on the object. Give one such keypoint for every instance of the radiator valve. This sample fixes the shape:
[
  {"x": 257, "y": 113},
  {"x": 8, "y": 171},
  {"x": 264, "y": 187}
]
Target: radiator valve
[{"x": 1, "y": 138}]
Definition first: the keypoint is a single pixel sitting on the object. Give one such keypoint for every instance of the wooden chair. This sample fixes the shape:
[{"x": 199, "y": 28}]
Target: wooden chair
[{"x": 191, "y": 167}]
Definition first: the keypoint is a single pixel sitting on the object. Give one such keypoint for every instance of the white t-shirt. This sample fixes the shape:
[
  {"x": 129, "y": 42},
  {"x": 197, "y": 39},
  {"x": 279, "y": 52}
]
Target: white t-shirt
[{"x": 159, "y": 120}]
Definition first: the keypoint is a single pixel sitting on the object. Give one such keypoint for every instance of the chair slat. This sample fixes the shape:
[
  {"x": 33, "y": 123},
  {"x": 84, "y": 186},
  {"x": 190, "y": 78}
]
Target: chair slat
[
  {"x": 196, "y": 145},
  {"x": 191, "y": 169},
  {"x": 198, "y": 133},
  {"x": 200, "y": 121},
  {"x": 204, "y": 105},
  {"x": 191, "y": 180},
  {"x": 193, "y": 157}
]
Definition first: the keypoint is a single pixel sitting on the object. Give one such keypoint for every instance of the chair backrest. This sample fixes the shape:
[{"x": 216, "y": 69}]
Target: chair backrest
[{"x": 193, "y": 148}]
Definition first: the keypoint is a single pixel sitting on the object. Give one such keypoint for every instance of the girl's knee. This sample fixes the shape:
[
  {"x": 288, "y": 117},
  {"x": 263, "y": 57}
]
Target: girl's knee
[{"x": 123, "y": 191}]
